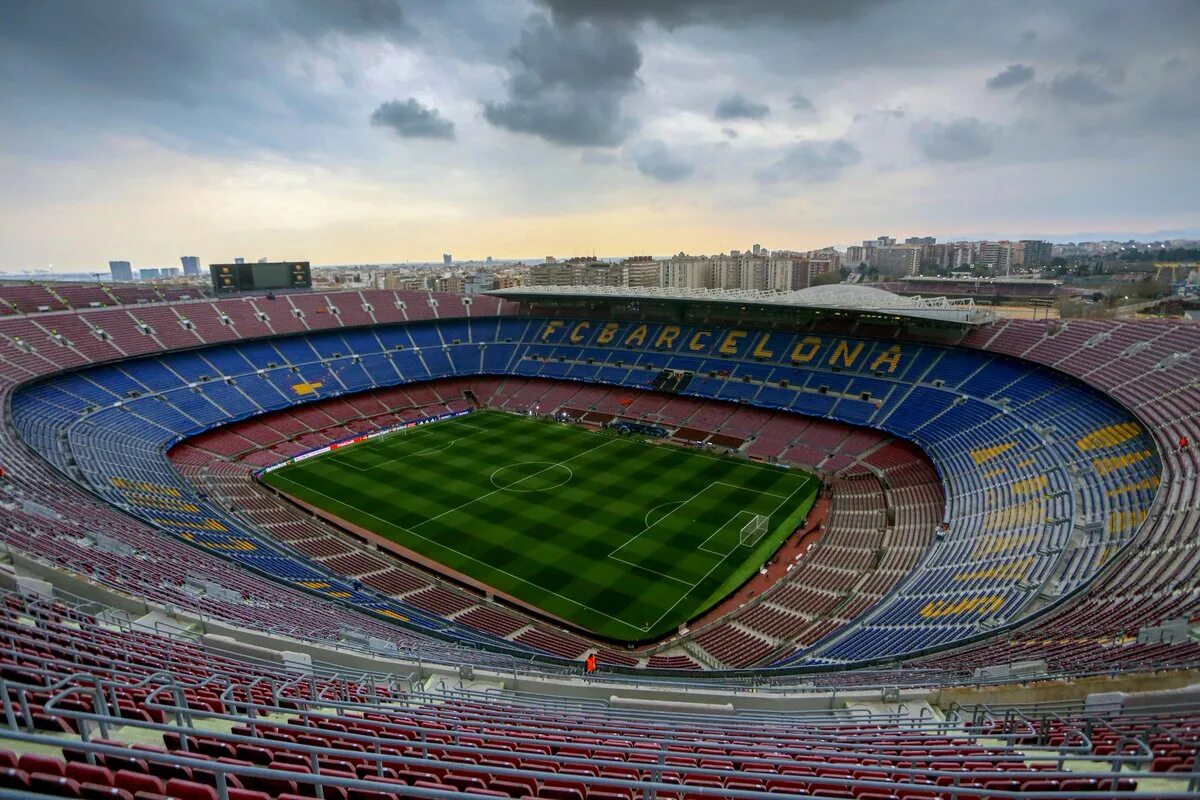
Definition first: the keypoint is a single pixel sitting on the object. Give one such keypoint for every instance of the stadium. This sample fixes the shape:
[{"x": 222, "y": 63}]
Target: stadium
[{"x": 583, "y": 543}]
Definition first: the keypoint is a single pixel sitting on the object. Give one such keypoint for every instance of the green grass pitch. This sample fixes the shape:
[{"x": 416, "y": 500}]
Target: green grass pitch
[{"x": 619, "y": 537}]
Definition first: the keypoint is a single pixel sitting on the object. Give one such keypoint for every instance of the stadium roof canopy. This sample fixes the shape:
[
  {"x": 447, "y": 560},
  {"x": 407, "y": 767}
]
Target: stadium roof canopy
[{"x": 839, "y": 297}]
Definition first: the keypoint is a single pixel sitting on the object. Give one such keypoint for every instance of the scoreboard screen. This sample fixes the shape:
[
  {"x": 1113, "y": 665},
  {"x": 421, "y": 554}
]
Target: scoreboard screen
[{"x": 260, "y": 277}]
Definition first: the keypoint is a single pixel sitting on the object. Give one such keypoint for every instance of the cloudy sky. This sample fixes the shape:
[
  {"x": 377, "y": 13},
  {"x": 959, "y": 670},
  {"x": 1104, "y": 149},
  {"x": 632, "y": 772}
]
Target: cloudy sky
[{"x": 387, "y": 130}]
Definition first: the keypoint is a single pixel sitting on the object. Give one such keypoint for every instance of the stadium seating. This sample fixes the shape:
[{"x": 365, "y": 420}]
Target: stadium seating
[
  {"x": 222, "y": 462},
  {"x": 1035, "y": 467},
  {"x": 1046, "y": 513},
  {"x": 1045, "y": 488},
  {"x": 177, "y": 718}
]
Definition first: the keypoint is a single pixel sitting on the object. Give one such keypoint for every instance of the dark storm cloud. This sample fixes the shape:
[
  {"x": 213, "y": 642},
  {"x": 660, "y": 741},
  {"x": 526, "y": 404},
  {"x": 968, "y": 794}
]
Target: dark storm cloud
[
  {"x": 566, "y": 83},
  {"x": 799, "y": 102},
  {"x": 177, "y": 51},
  {"x": 1012, "y": 75},
  {"x": 1082, "y": 88},
  {"x": 737, "y": 106},
  {"x": 354, "y": 17},
  {"x": 1173, "y": 105},
  {"x": 220, "y": 76},
  {"x": 813, "y": 161},
  {"x": 963, "y": 139},
  {"x": 654, "y": 160},
  {"x": 675, "y": 13},
  {"x": 412, "y": 120}
]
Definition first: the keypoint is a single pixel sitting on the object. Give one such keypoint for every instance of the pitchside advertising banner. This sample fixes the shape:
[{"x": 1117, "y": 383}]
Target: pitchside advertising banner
[{"x": 362, "y": 437}]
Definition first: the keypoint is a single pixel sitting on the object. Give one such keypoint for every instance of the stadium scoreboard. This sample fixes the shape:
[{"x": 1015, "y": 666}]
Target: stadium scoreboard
[{"x": 260, "y": 276}]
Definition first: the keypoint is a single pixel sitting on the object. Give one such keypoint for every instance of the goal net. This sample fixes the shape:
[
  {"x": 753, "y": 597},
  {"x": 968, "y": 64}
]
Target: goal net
[{"x": 753, "y": 530}]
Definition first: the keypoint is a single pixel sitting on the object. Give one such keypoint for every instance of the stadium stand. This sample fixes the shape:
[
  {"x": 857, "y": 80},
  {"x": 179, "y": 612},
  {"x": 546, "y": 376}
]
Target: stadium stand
[
  {"x": 1010, "y": 389},
  {"x": 1034, "y": 466},
  {"x": 1020, "y": 497},
  {"x": 205, "y": 460},
  {"x": 111, "y": 710}
]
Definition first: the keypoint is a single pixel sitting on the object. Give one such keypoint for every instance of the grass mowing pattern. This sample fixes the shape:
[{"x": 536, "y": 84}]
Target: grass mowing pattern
[{"x": 619, "y": 537}]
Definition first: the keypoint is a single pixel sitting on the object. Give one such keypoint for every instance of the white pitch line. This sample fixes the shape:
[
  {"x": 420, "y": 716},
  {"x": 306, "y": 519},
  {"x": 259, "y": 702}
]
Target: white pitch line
[
  {"x": 690, "y": 499},
  {"x": 722, "y": 560},
  {"x": 570, "y": 600},
  {"x": 651, "y": 569},
  {"x": 646, "y": 519},
  {"x": 790, "y": 496},
  {"x": 718, "y": 530},
  {"x": 660, "y": 519},
  {"x": 745, "y": 463},
  {"x": 746, "y": 489},
  {"x": 689, "y": 591},
  {"x": 527, "y": 477},
  {"x": 469, "y": 557}
]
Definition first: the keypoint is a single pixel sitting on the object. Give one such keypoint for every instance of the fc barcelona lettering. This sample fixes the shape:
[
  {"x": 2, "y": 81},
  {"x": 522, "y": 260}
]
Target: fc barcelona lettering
[{"x": 843, "y": 353}]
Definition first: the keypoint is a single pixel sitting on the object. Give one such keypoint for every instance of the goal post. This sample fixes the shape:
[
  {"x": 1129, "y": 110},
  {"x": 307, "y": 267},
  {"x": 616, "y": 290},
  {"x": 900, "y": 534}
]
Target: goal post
[{"x": 753, "y": 530}]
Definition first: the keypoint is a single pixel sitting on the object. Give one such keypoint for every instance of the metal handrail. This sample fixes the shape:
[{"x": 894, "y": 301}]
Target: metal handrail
[{"x": 374, "y": 753}]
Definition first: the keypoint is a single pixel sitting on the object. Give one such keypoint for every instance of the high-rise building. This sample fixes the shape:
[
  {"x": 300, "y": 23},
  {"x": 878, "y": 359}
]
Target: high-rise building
[
  {"x": 121, "y": 270},
  {"x": 962, "y": 254},
  {"x": 778, "y": 272},
  {"x": 1034, "y": 253},
  {"x": 550, "y": 273},
  {"x": 686, "y": 272},
  {"x": 728, "y": 272},
  {"x": 820, "y": 262},
  {"x": 148, "y": 273},
  {"x": 997, "y": 255},
  {"x": 447, "y": 260},
  {"x": 191, "y": 265},
  {"x": 898, "y": 261},
  {"x": 640, "y": 272},
  {"x": 788, "y": 272},
  {"x": 636, "y": 272},
  {"x": 239, "y": 260}
]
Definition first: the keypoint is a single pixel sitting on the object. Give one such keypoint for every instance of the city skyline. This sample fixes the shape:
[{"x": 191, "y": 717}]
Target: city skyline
[{"x": 381, "y": 131}]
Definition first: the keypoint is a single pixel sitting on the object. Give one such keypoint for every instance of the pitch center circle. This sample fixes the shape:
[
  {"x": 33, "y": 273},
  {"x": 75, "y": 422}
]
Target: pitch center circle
[{"x": 531, "y": 476}]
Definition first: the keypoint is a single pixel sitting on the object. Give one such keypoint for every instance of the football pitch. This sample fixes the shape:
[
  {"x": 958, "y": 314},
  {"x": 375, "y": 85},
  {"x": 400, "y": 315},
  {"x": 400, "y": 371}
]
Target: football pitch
[{"x": 617, "y": 536}]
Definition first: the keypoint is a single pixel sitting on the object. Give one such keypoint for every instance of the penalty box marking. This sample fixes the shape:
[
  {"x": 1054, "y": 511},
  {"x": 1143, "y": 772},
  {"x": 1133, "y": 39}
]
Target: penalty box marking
[
  {"x": 613, "y": 555},
  {"x": 784, "y": 499},
  {"x": 732, "y": 520},
  {"x": 468, "y": 556}
]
